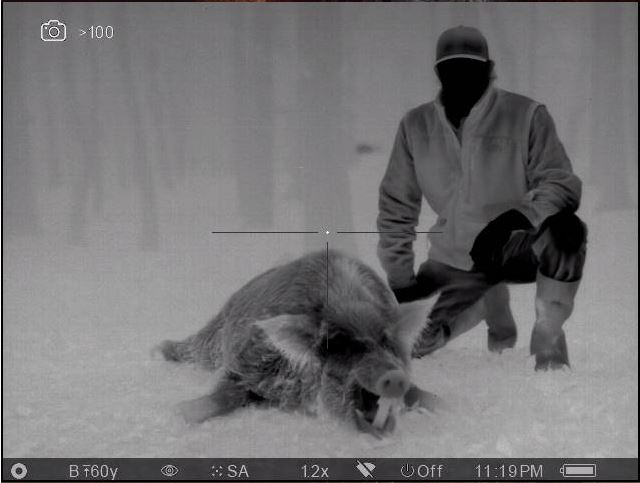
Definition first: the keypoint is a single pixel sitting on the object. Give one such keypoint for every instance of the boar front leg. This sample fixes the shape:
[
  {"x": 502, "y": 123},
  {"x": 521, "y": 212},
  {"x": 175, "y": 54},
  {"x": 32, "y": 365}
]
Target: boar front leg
[
  {"x": 226, "y": 396},
  {"x": 416, "y": 398}
]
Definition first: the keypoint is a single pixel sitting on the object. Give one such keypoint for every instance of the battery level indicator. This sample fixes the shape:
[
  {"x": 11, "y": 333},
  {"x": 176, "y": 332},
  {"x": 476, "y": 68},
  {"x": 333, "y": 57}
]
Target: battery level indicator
[{"x": 578, "y": 470}]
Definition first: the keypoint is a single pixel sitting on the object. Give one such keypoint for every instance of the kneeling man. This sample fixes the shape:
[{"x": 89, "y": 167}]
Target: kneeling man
[{"x": 489, "y": 163}]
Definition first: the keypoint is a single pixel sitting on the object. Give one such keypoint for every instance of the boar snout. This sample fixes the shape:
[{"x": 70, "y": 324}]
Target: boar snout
[{"x": 392, "y": 384}]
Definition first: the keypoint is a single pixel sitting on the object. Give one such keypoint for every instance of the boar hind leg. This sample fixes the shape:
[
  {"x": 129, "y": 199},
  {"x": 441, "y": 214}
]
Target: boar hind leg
[
  {"x": 416, "y": 398},
  {"x": 227, "y": 396}
]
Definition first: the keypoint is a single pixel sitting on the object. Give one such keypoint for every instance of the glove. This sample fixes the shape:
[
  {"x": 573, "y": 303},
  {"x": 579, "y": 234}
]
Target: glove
[
  {"x": 489, "y": 245},
  {"x": 408, "y": 294}
]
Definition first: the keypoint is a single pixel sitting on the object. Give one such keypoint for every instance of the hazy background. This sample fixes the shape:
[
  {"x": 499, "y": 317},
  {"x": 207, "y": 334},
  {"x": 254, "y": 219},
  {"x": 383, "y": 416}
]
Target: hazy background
[
  {"x": 121, "y": 156},
  {"x": 269, "y": 104}
]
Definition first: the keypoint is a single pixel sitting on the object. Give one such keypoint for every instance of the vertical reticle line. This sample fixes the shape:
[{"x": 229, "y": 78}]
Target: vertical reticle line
[{"x": 327, "y": 298}]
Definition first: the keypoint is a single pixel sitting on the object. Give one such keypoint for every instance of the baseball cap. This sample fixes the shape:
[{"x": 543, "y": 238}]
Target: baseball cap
[{"x": 462, "y": 42}]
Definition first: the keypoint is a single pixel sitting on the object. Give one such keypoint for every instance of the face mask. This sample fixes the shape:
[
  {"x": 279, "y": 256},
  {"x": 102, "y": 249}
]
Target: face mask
[{"x": 463, "y": 83}]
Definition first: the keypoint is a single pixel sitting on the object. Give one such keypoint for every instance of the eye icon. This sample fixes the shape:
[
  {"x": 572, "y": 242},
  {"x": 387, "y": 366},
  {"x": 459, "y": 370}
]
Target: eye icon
[{"x": 169, "y": 470}]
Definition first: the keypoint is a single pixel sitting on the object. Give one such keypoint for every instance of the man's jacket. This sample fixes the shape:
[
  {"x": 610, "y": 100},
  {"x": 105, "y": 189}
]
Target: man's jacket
[{"x": 508, "y": 156}]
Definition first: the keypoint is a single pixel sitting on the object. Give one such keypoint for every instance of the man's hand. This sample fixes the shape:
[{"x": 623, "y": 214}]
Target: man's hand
[
  {"x": 489, "y": 244},
  {"x": 408, "y": 294}
]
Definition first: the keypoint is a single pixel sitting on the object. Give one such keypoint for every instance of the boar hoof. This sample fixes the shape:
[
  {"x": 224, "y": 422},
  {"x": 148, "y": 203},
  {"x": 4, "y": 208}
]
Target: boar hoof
[
  {"x": 198, "y": 410},
  {"x": 420, "y": 400}
]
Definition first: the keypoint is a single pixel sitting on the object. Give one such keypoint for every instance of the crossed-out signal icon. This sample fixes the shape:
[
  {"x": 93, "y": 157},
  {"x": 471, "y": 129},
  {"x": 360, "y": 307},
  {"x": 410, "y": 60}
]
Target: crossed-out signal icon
[{"x": 366, "y": 468}]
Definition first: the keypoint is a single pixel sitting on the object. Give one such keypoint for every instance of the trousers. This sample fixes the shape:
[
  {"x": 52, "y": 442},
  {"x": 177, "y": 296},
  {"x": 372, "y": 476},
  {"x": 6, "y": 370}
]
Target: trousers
[{"x": 557, "y": 251}]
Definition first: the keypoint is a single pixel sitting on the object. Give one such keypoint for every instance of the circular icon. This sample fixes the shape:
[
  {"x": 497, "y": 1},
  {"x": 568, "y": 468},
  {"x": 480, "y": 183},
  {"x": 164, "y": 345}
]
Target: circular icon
[
  {"x": 407, "y": 470},
  {"x": 18, "y": 471}
]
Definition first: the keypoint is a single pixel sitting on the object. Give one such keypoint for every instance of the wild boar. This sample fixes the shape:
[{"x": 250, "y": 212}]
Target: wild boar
[{"x": 321, "y": 331}]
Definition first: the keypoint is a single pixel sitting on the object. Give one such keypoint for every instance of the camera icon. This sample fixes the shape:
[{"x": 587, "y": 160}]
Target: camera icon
[{"x": 53, "y": 31}]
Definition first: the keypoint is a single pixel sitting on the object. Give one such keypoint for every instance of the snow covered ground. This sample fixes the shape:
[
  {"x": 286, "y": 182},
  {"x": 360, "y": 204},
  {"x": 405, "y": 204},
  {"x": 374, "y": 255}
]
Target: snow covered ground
[{"x": 79, "y": 323}]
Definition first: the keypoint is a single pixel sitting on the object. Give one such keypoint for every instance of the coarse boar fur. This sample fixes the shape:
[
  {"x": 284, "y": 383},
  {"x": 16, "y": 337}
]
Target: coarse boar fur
[{"x": 321, "y": 331}]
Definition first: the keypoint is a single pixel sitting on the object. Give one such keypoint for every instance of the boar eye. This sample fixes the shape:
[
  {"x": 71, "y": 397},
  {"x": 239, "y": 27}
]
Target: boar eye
[
  {"x": 342, "y": 344},
  {"x": 388, "y": 343}
]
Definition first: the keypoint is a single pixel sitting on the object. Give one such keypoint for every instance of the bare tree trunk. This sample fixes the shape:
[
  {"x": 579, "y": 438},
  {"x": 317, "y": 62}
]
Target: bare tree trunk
[
  {"x": 158, "y": 95},
  {"x": 135, "y": 71},
  {"x": 254, "y": 131},
  {"x": 84, "y": 80},
  {"x": 19, "y": 200},
  {"x": 629, "y": 92},
  {"x": 176, "y": 82},
  {"x": 56, "y": 113},
  {"x": 325, "y": 149},
  {"x": 608, "y": 163}
]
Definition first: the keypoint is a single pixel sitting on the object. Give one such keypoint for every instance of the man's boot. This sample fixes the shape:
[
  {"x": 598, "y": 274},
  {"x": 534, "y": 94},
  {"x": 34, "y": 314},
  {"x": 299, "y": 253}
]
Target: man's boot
[
  {"x": 554, "y": 304},
  {"x": 502, "y": 333}
]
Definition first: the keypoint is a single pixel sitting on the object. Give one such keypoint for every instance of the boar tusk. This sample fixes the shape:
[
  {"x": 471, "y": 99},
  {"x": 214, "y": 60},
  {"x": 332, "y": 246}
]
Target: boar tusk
[{"x": 385, "y": 404}]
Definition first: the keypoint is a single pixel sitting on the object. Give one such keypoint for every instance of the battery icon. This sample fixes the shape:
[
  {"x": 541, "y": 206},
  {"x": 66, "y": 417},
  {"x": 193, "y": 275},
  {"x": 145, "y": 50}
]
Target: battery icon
[{"x": 578, "y": 470}]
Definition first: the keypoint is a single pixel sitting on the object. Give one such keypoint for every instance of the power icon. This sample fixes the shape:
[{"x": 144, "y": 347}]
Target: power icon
[
  {"x": 18, "y": 471},
  {"x": 407, "y": 470}
]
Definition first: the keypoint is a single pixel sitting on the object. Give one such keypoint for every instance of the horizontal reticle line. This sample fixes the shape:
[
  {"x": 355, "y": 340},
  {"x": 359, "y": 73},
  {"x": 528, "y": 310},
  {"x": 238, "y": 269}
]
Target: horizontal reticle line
[
  {"x": 264, "y": 232},
  {"x": 386, "y": 232},
  {"x": 343, "y": 232}
]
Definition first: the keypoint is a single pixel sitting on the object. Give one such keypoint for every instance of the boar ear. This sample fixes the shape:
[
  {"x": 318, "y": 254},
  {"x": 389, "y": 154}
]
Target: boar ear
[
  {"x": 411, "y": 320},
  {"x": 292, "y": 335}
]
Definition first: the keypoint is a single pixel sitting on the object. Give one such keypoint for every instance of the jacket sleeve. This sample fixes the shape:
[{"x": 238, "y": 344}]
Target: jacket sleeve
[
  {"x": 398, "y": 212},
  {"x": 552, "y": 185}
]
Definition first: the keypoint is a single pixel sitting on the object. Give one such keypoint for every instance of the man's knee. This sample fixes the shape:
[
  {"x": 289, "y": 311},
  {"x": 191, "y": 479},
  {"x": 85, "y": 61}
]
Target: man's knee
[
  {"x": 568, "y": 233},
  {"x": 561, "y": 247}
]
